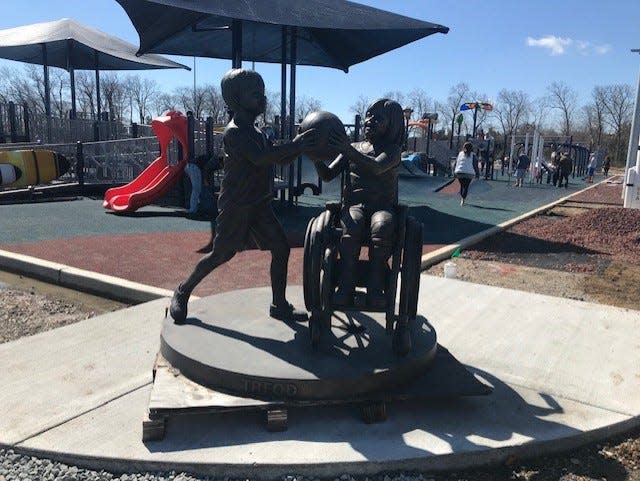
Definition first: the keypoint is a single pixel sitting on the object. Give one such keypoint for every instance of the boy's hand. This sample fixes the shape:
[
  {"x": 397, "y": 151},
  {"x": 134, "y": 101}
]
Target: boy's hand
[
  {"x": 307, "y": 140},
  {"x": 338, "y": 141}
]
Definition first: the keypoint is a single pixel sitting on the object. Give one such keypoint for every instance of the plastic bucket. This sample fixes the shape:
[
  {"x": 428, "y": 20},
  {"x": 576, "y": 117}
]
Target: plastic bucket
[{"x": 450, "y": 270}]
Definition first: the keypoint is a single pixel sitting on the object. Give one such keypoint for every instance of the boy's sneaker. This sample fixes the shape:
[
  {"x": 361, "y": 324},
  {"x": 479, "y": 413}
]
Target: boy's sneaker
[
  {"x": 178, "y": 307},
  {"x": 287, "y": 313}
]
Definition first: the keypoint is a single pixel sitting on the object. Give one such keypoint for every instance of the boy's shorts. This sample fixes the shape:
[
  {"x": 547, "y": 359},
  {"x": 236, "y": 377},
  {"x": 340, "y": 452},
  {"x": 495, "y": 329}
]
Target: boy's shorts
[
  {"x": 520, "y": 173},
  {"x": 236, "y": 228}
]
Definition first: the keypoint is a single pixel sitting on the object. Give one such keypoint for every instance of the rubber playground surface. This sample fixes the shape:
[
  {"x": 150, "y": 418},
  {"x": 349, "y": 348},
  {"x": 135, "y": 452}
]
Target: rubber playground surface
[{"x": 157, "y": 246}]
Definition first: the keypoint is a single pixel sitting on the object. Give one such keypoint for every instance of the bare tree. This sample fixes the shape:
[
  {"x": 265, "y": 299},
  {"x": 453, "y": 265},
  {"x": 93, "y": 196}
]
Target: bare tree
[
  {"x": 594, "y": 116},
  {"x": 397, "y": 96},
  {"x": 420, "y": 102},
  {"x": 35, "y": 78},
  {"x": 538, "y": 114},
  {"x": 142, "y": 92},
  {"x": 214, "y": 104},
  {"x": 191, "y": 100},
  {"x": 113, "y": 95},
  {"x": 360, "y": 106},
  {"x": 59, "y": 88},
  {"x": 305, "y": 105},
  {"x": 450, "y": 109},
  {"x": 20, "y": 90},
  {"x": 5, "y": 75},
  {"x": 618, "y": 109},
  {"x": 511, "y": 110},
  {"x": 273, "y": 106},
  {"x": 165, "y": 102},
  {"x": 86, "y": 93},
  {"x": 563, "y": 98}
]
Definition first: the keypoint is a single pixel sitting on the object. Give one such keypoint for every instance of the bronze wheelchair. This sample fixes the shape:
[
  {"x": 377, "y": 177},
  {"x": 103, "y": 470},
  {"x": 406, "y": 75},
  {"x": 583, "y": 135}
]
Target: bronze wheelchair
[{"x": 322, "y": 269}]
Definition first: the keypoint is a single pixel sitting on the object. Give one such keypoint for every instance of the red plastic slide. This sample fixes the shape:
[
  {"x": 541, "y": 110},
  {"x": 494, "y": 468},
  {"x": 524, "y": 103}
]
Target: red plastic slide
[{"x": 157, "y": 179}]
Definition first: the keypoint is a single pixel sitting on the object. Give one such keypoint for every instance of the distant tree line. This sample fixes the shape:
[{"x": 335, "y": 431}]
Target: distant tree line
[{"x": 603, "y": 122}]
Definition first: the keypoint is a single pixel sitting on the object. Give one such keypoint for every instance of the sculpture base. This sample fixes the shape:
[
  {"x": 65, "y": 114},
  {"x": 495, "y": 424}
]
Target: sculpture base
[
  {"x": 230, "y": 343},
  {"x": 231, "y": 355}
]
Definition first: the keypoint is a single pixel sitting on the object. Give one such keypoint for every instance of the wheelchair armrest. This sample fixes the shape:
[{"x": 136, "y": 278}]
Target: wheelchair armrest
[{"x": 333, "y": 207}]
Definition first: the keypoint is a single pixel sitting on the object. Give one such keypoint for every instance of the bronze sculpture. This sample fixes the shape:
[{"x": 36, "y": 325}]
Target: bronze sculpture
[
  {"x": 244, "y": 204},
  {"x": 370, "y": 194}
]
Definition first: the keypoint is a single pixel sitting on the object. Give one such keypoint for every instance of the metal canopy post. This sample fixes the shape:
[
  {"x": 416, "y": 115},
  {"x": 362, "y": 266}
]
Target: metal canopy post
[
  {"x": 98, "y": 106},
  {"x": 283, "y": 84},
  {"x": 292, "y": 105},
  {"x": 72, "y": 78},
  {"x": 47, "y": 91},
  {"x": 475, "y": 116},
  {"x": 236, "y": 44}
]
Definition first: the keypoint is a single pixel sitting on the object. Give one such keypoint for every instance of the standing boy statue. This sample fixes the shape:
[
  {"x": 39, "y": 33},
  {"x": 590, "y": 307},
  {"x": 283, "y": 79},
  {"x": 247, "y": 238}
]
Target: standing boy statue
[{"x": 246, "y": 194}]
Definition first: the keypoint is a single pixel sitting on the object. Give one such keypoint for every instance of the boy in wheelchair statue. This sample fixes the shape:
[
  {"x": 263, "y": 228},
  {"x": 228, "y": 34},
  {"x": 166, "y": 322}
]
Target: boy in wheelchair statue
[{"x": 370, "y": 196}]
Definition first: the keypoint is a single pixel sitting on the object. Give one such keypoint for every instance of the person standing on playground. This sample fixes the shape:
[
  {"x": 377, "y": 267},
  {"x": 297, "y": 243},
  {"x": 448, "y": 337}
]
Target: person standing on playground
[
  {"x": 566, "y": 166},
  {"x": 369, "y": 196},
  {"x": 591, "y": 167},
  {"x": 466, "y": 169},
  {"x": 245, "y": 211},
  {"x": 606, "y": 165},
  {"x": 522, "y": 165}
]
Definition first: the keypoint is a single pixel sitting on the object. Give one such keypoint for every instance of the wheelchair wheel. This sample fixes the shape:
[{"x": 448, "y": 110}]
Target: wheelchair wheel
[
  {"x": 315, "y": 330},
  {"x": 318, "y": 263},
  {"x": 410, "y": 275},
  {"x": 330, "y": 258},
  {"x": 312, "y": 261}
]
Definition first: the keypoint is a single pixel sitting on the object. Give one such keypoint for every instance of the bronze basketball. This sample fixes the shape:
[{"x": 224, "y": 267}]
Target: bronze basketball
[{"x": 323, "y": 122}]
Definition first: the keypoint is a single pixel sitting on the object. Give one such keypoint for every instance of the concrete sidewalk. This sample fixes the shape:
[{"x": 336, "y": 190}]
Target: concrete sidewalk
[{"x": 564, "y": 373}]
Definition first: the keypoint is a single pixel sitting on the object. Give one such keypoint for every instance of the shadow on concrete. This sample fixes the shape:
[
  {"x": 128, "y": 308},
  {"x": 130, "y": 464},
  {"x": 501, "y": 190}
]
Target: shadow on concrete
[
  {"x": 462, "y": 426},
  {"x": 511, "y": 243},
  {"x": 140, "y": 214}
]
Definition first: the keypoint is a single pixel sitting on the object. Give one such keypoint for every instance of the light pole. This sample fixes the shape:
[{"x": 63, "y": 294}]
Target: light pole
[
  {"x": 407, "y": 116},
  {"x": 432, "y": 117}
]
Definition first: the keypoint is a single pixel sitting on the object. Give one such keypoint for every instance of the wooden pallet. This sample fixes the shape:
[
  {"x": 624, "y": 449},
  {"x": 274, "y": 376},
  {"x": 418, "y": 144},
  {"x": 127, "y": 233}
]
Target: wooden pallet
[{"x": 173, "y": 394}]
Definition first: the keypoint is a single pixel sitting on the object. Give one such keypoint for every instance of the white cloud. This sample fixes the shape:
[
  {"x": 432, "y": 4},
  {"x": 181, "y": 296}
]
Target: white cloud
[
  {"x": 560, "y": 46},
  {"x": 557, "y": 45},
  {"x": 601, "y": 49}
]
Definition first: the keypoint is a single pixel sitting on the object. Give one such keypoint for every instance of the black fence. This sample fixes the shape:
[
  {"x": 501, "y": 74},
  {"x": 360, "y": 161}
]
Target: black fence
[
  {"x": 19, "y": 125},
  {"x": 113, "y": 161}
]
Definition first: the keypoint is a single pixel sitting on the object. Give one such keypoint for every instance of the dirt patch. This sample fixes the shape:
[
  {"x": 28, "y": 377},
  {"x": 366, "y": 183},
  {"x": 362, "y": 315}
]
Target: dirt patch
[
  {"x": 583, "y": 251},
  {"x": 30, "y": 306}
]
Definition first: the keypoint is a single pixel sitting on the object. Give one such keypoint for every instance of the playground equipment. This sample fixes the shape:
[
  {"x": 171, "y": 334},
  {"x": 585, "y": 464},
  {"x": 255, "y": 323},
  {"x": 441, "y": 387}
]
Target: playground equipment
[
  {"x": 534, "y": 146},
  {"x": 475, "y": 106},
  {"x": 156, "y": 180},
  {"x": 632, "y": 186},
  {"x": 322, "y": 269},
  {"x": 20, "y": 168}
]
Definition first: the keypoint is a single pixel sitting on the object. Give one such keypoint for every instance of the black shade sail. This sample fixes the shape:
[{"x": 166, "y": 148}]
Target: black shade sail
[
  {"x": 329, "y": 33},
  {"x": 73, "y": 46}
]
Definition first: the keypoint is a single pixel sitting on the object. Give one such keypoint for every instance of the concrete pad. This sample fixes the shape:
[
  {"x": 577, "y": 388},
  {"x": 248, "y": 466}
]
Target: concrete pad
[
  {"x": 54, "y": 376},
  {"x": 578, "y": 350},
  {"x": 330, "y": 441},
  {"x": 564, "y": 373}
]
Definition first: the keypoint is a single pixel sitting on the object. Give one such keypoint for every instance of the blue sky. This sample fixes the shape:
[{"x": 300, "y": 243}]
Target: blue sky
[{"x": 491, "y": 45}]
